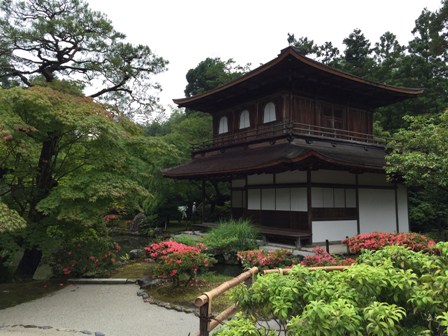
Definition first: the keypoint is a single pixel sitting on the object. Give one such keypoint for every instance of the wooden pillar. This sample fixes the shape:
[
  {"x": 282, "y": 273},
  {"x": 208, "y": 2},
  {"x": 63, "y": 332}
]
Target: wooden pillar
[
  {"x": 358, "y": 224},
  {"x": 397, "y": 221},
  {"x": 203, "y": 202},
  {"x": 308, "y": 200},
  {"x": 204, "y": 320}
]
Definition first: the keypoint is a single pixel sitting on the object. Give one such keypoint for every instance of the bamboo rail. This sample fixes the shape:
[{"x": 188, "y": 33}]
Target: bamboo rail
[
  {"x": 204, "y": 303},
  {"x": 207, "y": 322}
]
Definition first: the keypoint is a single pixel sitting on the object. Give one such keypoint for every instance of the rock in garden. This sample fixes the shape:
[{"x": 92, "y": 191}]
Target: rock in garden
[{"x": 136, "y": 254}]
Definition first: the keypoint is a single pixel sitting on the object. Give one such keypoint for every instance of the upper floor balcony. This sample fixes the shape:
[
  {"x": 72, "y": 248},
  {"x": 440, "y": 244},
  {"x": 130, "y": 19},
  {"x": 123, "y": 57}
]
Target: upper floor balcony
[{"x": 289, "y": 130}]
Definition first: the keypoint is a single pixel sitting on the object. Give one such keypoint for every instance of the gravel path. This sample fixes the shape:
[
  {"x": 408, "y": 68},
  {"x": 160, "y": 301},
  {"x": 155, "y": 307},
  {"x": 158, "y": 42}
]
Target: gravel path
[{"x": 110, "y": 310}]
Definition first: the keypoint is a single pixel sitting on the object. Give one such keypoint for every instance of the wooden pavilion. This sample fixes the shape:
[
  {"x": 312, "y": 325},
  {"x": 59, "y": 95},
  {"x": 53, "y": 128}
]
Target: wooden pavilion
[{"x": 295, "y": 140}]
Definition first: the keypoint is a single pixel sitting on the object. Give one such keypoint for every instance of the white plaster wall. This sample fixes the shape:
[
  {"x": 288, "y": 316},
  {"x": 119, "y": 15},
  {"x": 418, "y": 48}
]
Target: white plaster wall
[
  {"x": 377, "y": 210},
  {"x": 317, "y": 197},
  {"x": 253, "y": 199},
  {"x": 332, "y": 176},
  {"x": 291, "y": 177},
  {"x": 238, "y": 183},
  {"x": 260, "y": 179},
  {"x": 299, "y": 199},
  {"x": 403, "y": 212},
  {"x": 373, "y": 179},
  {"x": 283, "y": 199},
  {"x": 268, "y": 199},
  {"x": 333, "y": 230}
]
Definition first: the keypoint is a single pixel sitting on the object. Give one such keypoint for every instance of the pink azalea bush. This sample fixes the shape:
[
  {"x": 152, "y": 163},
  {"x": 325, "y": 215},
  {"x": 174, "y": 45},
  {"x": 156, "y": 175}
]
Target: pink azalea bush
[
  {"x": 176, "y": 259},
  {"x": 377, "y": 240},
  {"x": 80, "y": 257},
  {"x": 322, "y": 258},
  {"x": 265, "y": 259}
]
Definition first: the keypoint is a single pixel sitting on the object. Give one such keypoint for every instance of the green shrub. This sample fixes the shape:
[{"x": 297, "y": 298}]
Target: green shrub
[
  {"x": 186, "y": 240},
  {"x": 392, "y": 291},
  {"x": 232, "y": 236},
  {"x": 265, "y": 259},
  {"x": 377, "y": 240},
  {"x": 86, "y": 252}
]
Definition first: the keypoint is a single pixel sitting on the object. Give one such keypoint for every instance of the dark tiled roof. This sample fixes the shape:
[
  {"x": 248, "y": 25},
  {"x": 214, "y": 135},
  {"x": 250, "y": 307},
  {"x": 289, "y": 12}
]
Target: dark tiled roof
[
  {"x": 282, "y": 157},
  {"x": 290, "y": 67}
]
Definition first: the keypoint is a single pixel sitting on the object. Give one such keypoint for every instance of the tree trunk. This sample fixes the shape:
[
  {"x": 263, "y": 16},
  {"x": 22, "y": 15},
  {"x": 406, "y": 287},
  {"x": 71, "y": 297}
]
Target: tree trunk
[
  {"x": 44, "y": 183},
  {"x": 28, "y": 264}
]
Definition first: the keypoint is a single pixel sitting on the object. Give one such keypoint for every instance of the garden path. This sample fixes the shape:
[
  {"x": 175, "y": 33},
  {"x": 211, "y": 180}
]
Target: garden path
[{"x": 110, "y": 310}]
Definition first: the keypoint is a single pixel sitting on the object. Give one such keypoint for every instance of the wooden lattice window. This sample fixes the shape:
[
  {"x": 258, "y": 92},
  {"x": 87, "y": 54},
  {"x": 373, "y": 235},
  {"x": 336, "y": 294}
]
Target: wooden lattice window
[
  {"x": 223, "y": 125},
  {"x": 244, "y": 119},
  {"x": 269, "y": 113}
]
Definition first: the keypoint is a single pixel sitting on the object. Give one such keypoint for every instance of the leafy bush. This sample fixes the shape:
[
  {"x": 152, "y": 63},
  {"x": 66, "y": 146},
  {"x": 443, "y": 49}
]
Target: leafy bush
[
  {"x": 377, "y": 240},
  {"x": 186, "y": 240},
  {"x": 11, "y": 226},
  {"x": 392, "y": 291},
  {"x": 232, "y": 236},
  {"x": 265, "y": 259},
  {"x": 85, "y": 254},
  {"x": 175, "y": 259},
  {"x": 323, "y": 258}
]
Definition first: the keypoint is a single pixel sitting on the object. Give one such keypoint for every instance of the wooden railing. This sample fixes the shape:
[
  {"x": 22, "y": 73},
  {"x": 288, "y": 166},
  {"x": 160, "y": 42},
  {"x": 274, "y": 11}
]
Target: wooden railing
[
  {"x": 208, "y": 322},
  {"x": 286, "y": 129}
]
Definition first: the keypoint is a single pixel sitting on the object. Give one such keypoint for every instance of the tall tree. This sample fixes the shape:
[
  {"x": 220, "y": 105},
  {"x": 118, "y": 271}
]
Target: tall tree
[
  {"x": 418, "y": 155},
  {"x": 65, "y": 39},
  {"x": 303, "y": 45},
  {"x": 357, "y": 54},
  {"x": 211, "y": 73},
  {"x": 66, "y": 162}
]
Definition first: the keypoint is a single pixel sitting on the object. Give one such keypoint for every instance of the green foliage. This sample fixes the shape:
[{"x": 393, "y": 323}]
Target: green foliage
[
  {"x": 265, "y": 259},
  {"x": 65, "y": 39},
  {"x": 337, "y": 318},
  {"x": 241, "y": 326},
  {"x": 175, "y": 260},
  {"x": 418, "y": 153},
  {"x": 383, "y": 319},
  {"x": 186, "y": 240},
  {"x": 392, "y": 291},
  {"x": 66, "y": 162},
  {"x": 378, "y": 240},
  {"x": 11, "y": 226},
  {"x": 84, "y": 252},
  {"x": 232, "y": 236},
  {"x": 211, "y": 73}
]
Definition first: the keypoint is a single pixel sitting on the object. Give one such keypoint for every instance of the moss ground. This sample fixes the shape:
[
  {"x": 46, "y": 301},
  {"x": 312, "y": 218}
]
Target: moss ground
[{"x": 182, "y": 295}]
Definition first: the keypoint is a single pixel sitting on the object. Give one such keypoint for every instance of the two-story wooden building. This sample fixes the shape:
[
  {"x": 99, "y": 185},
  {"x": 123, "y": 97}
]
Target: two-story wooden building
[{"x": 295, "y": 140}]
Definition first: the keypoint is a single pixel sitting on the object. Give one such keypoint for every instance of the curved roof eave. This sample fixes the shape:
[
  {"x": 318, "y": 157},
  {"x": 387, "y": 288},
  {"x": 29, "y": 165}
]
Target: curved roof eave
[{"x": 290, "y": 51}]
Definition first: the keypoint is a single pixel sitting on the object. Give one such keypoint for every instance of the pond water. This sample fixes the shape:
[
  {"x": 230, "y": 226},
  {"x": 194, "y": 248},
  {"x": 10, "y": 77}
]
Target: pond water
[
  {"x": 130, "y": 242},
  {"x": 229, "y": 270}
]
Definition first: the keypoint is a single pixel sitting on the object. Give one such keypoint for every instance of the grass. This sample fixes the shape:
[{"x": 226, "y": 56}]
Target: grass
[
  {"x": 14, "y": 293},
  {"x": 185, "y": 295},
  {"x": 133, "y": 270}
]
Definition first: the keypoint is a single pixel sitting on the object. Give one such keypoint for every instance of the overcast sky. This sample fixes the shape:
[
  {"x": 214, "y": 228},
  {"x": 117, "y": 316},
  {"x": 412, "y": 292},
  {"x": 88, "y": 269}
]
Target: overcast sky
[{"x": 186, "y": 32}]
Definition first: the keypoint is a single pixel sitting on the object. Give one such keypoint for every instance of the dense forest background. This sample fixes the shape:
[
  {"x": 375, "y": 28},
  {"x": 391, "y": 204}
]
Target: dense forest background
[{"x": 67, "y": 160}]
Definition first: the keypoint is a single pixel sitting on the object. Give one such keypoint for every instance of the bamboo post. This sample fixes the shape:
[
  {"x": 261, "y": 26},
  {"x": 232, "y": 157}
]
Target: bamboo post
[
  {"x": 203, "y": 320},
  {"x": 204, "y": 303},
  {"x": 346, "y": 244}
]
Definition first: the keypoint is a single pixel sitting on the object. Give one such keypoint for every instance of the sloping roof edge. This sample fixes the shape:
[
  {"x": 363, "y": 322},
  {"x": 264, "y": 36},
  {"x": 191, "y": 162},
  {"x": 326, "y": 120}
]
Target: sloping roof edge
[{"x": 291, "y": 51}]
